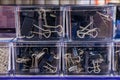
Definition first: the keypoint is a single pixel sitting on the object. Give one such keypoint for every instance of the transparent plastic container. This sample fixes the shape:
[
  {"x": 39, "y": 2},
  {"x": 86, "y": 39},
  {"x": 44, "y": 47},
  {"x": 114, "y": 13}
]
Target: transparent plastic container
[
  {"x": 117, "y": 24},
  {"x": 86, "y": 59},
  {"x": 36, "y": 59},
  {"x": 40, "y": 23},
  {"x": 89, "y": 23},
  {"x": 116, "y": 56},
  {"x": 5, "y": 59},
  {"x": 7, "y": 22}
]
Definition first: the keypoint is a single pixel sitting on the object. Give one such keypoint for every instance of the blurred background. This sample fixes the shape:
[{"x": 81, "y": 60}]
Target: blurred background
[{"x": 58, "y": 2}]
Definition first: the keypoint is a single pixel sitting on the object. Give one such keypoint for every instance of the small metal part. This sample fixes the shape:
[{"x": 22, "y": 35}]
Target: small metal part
[
  {"x": 72, "y": 63},
  {"x": 96, "y": 65},
  {"x": 95, "y": 68},
  {"x": 52, "y": 15},
  {"x": 35, "y": 60},
  {"x": 59, "y": 32},
  {"x": 42, "y": 14},
  {"x": 22, "y": 60},
  {"x": 85, "y": 31},
  {"x": 81, "y": 52},
  {"x": 73, "y": 68},
  {"x": 117, "y": 51},
  {"x": 51, "y": 68},
  {"x": 45, "y": 33},
  {"x": 31, "y": 36},
  {"x": 68, "y": 60},
  {"x": 76, "y": 59},
  {"x": 36, "y": 57},
  {"x": 106, "y": 17}
]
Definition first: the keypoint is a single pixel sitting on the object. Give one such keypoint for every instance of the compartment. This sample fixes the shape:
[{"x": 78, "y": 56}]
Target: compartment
[
  {"x": 116, "y": 58},
  {"x": 90, "y": 23},
  {"x": 7, "y": 22},
  {"x": 87, "y": 59},
  {"x": 36, "y": 59},
  {"x": 117, "y": 23},
  {"x": 40, "y": 23},
  {"x": 5, "y": 58}
]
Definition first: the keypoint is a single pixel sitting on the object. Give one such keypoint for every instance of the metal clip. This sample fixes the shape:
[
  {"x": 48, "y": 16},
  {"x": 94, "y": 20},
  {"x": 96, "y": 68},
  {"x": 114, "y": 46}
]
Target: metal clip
[
  {"x": 70, "y": 61},
  {"x": 117, "y": 51},
  {"x": 81, "y": 52},
  {"x": 50, "y": 68},
  {"x": 55, "y": 27},
  {"x": 73, "y": 68},
  {"x": 40, "y": 11},
  {"x": 36, "y": 57},
  {"x": 48, "y": 26},
  {"x": 28, "y": 37},
  {"x": 45, "y": 33},
  {"x": 35, "y": 60},
  {"x": 105, "y": 17},
  {"x": 84, "y": 31},
  {"x": 22, "y": 60},
  {"x": 76, "y": 59},
  {"x": 95, "y": 68},
  {"x": 55, "y": 56}
]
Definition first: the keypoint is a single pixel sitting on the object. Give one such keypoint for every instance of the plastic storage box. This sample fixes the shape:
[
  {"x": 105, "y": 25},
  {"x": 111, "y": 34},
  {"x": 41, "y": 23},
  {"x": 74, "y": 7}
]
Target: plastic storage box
[
  {"x": 116, "y": 61},
  {"x": 90, "y": 23},
  {"x": 7, "y": 22},
  {"x": 36, "y": 59},
  {"x": 40, "y": 23},
  {"x": 87, "y": 59},
  {"x": 5, "y": 58}
]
